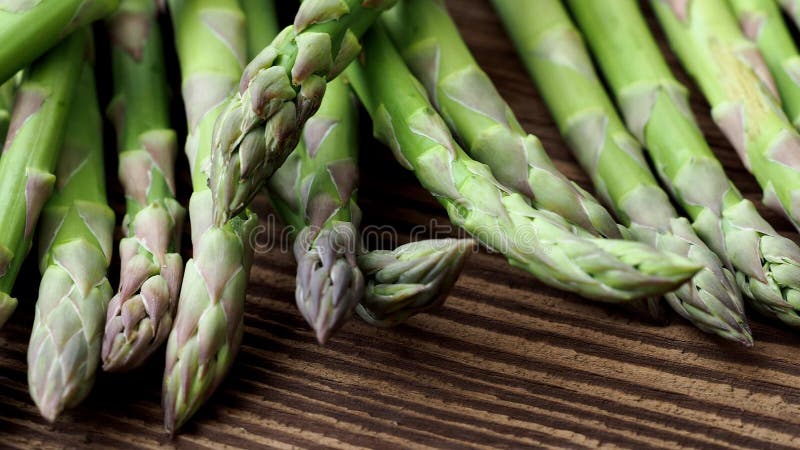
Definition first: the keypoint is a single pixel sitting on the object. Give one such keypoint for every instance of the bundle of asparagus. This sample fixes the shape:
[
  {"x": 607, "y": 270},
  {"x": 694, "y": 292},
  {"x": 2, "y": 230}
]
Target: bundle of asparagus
[
  {"x": 655, "y": 106},
  {"x": 541, "y": 242},
  {"x": 732, "y": 75}
]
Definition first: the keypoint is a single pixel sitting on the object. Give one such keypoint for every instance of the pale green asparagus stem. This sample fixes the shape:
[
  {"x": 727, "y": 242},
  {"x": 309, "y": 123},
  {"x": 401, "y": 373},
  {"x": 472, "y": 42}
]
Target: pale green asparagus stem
[
  {"x": 31, "y": 152},
  {"x": 656, "y": 109},
  {"x": 762, "y": 22},
  {"x": 208, "y": 326},
  {"x": 558, "y": 62},
  {"x": 736, "y": 83},
  {"x": 541, "y": 242},
  {"x": 262, "y": 24},
  {"x": 471, "y": 105},
  {"x": 281, "y": 88},
  {"x": 140, "y": 314},
  {"x": 29, "y": 28},
  {"x": 7, "y": 92},
  {"x": 76, "y": 242}
]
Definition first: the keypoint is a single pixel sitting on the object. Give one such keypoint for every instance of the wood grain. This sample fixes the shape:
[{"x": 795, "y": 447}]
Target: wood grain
[{"x": 507, "y": 363}]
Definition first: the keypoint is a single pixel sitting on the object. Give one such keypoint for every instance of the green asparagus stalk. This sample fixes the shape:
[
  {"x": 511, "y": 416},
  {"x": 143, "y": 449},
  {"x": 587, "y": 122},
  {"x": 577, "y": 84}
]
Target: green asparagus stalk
[
  {"x": 475, "y": 111},
  {"x": 30, "y": 155},
  {"x": 29, "y": 28},
  {"x": 7, "y": 91},
  {"x": 208, "y": 328},
  {"x": 140, "y": 314},
  {"x": 736, "y": 83},
  {"x": 557, "y": 60},
  {"x": 76, "y": 235},
  {"x": 262, "y": 24},
  {"x": 411, "y": 279},
  {"x": 281, "y": 88},
  {"x": 559, "y": 254},
  {"x": 762, "y": 22},
  {"x": 468, "y": 101},
  {"x": 315, "y": 193},
  {"x": 655, "y": 106}
]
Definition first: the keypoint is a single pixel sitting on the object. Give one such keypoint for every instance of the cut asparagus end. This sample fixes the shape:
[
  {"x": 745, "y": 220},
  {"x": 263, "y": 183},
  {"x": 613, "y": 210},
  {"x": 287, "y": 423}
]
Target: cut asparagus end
[
  {"x": 7, "y": 306},
  {"x": 410, "y": 279},
  {"x": 329, "y": 282}
]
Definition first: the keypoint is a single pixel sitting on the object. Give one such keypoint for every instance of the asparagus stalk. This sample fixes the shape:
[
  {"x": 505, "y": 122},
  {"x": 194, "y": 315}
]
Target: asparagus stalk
[
  {"x": 281, "y": 88},
  {"x": 762, "y": 22},
  {"x": 655, "y": 106},
  {"x": 30, "y": 155},
  {"x": 208, "y": 325},
  {"x": 736, "y": 83},
  {"x": 559, "y": 254},
  {"x": 478, "y": 115},
  {"x": 411, "y": 279},
  {"x": 468, "y": 101},
  {"x": 76, "y": 236},
  {"x": 140, "y": 314},
  {"x": 7, "y": 91},
  {"x": 315, "y": 193},
  {"x": 29, "y": 28},
  {"x": 558, "y": 62},
  {"x": 262, "y": 24}
]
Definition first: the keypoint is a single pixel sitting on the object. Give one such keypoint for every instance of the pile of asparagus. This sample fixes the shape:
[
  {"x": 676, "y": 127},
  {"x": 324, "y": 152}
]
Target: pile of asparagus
[{"x": 267, "y": 111}]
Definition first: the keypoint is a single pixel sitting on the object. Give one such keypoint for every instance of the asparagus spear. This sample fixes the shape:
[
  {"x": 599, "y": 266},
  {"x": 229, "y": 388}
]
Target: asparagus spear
[
  {"x": 315, "y": 193},
  {"x": 140, "y": 314},
  {"x": 468, "y": 101},
  {"x": 7, "y": 91},
  {"x": 208, "y": 326},
  {"x": 28, "y": 28},
  {"x": 541, "y": 242},
  {"x": 76, "y": 236},
  {"x": 558, "y": 62},
  {"x": 30, "y": 155},
  {"x": 762, "y": 22},
  {"x": 281, "y": 88},
  {"x": 262, "y": 24},
  {"x": 412, "y": 278},
  {"x": 655, "y": 106},
  {"x": 736, "y": 83}
]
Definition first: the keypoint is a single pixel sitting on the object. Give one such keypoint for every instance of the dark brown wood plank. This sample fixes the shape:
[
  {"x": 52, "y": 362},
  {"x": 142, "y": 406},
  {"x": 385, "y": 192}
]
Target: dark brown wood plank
[{"x": 507, "y": 363}]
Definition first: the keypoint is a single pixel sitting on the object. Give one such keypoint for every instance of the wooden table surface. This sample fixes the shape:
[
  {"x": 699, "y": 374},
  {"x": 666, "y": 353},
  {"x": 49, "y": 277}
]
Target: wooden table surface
[{"x": 507, "y": 362}]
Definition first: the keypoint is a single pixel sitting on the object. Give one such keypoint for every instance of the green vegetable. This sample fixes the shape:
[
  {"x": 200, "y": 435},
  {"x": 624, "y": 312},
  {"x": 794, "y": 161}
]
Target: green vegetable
[
  {"x": 281, "y": 88},
  {"x": 30, "y": 155},
  {"x": 262, "y": 24},
  {"x": 762, "y": 22},
  {"x": 736, "y": 83},
  {"x": 656, "y": 110},
  {"x": 484, "y": 123},
  {"x": 208, "y": 326},
  {"x": 541, "y": 242},
  {"x": 76, "y": 243},
  {"x": 29, "y": 28},
  {"x": 557, "y": 60},
  {"x": 413, "y": 278},
  {"x": 315, "y": 193},
  {"x": 140, "y": 314},
  {"x": 7, "y": 92}
]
